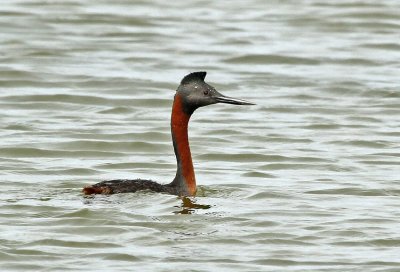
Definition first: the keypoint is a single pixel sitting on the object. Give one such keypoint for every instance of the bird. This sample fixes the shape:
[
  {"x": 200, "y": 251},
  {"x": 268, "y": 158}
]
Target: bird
[{"x": 192, "y": 93}]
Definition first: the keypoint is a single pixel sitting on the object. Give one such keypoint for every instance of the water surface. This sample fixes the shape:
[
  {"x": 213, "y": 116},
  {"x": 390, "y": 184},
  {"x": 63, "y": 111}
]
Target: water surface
[{"x": 307, "y": 180}]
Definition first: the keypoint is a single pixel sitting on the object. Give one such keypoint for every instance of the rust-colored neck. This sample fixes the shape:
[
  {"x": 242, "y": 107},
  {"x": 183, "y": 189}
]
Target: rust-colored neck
[{"x": 185, "y": 181}]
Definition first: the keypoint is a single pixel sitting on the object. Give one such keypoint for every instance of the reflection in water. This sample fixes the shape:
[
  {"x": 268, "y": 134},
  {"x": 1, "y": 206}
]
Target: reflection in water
[{"x": 189, "y": 206}]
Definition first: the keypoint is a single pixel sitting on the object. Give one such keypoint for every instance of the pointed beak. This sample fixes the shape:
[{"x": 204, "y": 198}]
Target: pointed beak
[{"x": 231, "y": 100}]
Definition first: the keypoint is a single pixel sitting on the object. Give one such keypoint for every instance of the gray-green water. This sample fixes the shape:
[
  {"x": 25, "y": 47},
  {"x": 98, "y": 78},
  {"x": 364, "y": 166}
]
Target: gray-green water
[{"x": 306, "y": 180}]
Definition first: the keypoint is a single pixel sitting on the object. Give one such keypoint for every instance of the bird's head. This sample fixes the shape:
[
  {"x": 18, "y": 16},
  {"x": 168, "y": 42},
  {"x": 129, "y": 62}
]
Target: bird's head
[{"x": 195, "y": 93}]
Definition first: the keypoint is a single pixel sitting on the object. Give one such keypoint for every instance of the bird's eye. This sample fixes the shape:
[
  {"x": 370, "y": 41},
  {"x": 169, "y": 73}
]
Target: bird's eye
[{"x": 205, "y": 92}]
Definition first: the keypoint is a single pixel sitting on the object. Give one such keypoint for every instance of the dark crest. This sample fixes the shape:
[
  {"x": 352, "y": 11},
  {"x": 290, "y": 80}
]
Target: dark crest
[{"x": 193, "y": 77}]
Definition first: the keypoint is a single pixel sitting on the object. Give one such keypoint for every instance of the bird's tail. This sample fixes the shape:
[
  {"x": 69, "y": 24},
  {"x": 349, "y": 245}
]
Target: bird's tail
[{"x": 91, "y": 190}]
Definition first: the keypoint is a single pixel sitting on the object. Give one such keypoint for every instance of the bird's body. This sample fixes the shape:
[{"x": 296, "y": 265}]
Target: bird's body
[
  {"x": 192, "y": 93},
  {"x": 118, "y": 186}
]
